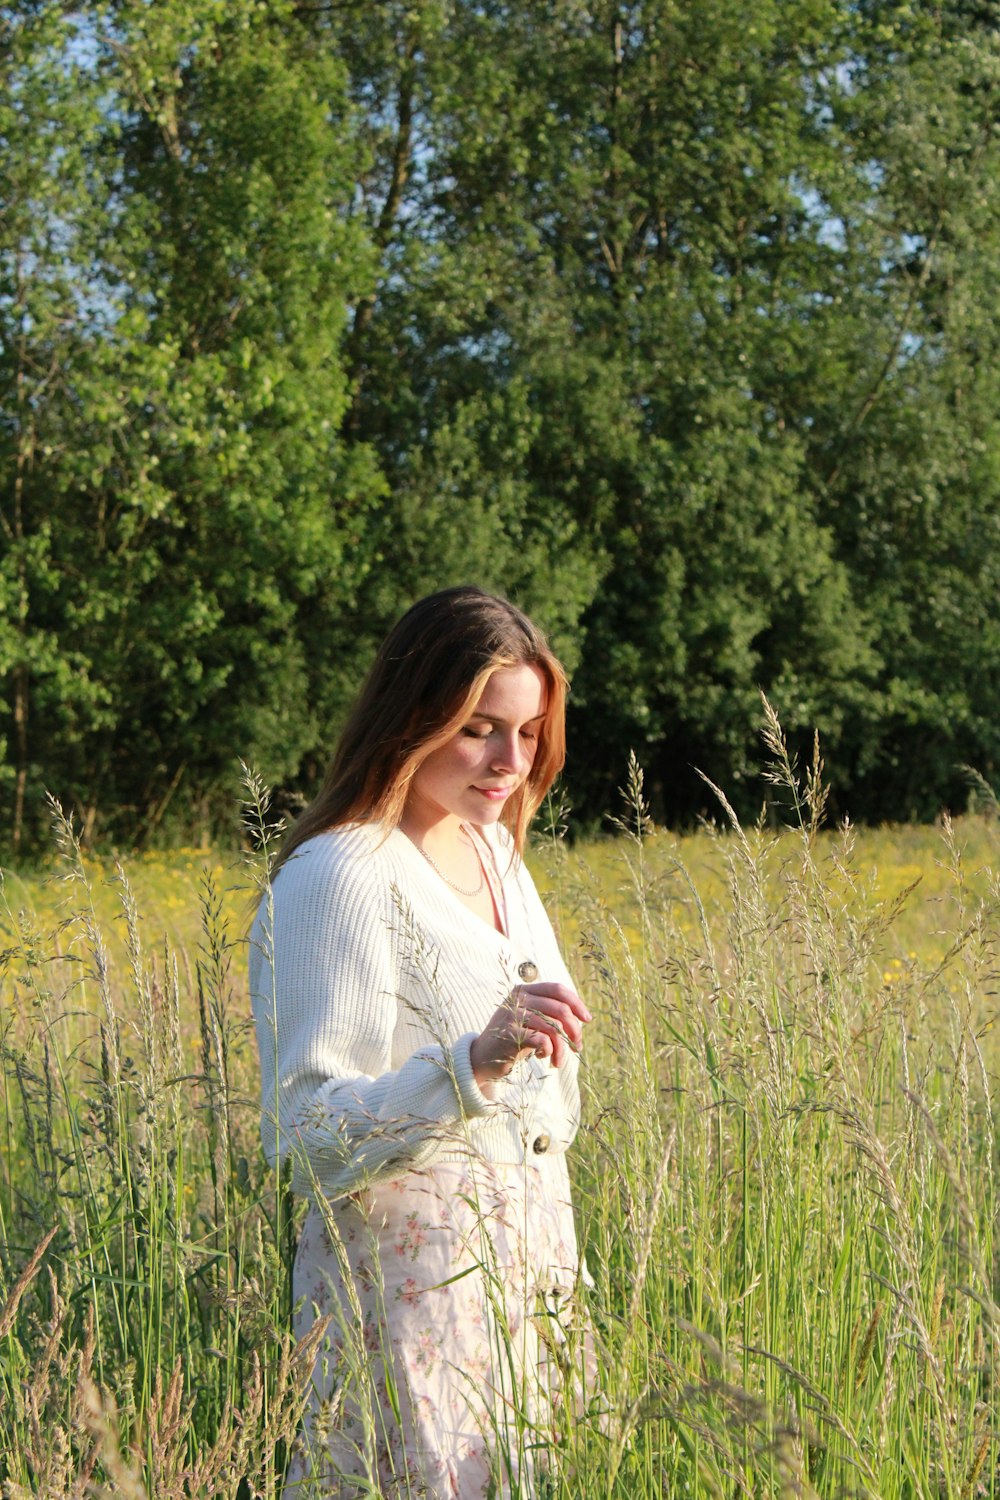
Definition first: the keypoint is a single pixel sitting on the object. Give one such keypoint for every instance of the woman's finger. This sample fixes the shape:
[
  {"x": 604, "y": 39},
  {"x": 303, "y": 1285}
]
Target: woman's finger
[
  {"x": 526, "y": 1040},
  {"x": 552, "y": 1017},
  {"x": 562, "y": 993},
  {"x": 557, "y": 1018},
  {"x": 530, "y": 997},
  {"x": 545, "y": 1043},
  {"x": 560, "y": 1043}
]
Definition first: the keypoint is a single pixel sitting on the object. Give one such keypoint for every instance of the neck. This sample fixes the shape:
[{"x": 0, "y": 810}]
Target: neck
[{"x": 443, "y": 833}]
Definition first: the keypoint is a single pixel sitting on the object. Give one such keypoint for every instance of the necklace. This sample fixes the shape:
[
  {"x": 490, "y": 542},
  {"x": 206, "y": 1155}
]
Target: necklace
[{"x": 460, "y": 889}]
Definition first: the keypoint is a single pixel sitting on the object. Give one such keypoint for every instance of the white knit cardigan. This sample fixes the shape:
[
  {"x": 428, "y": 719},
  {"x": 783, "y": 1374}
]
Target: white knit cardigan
[{"x": 369, "y": 980}]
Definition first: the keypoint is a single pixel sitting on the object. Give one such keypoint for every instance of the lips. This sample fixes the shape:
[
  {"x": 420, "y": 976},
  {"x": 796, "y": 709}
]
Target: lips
[{"x": 495, "y": 793}]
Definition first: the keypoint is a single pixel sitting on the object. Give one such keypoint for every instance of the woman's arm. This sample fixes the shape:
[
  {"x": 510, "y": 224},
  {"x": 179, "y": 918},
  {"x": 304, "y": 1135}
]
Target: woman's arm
[{"x": 324, "y": 984}]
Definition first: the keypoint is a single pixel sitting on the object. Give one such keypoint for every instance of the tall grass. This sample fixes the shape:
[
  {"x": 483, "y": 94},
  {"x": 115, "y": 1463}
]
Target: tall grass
[{"x": 785, "y": 1185}]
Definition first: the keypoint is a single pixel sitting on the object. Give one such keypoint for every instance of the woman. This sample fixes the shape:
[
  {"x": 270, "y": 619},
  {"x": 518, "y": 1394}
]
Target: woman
[{"x": 419, "y": 1037}]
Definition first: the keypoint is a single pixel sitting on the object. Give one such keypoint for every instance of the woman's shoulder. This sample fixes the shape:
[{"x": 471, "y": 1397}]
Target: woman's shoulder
[
  {"x": 350, "y": 857},
  {"x": 332, "y": 895},
  {"x": 344, "y": 842}
]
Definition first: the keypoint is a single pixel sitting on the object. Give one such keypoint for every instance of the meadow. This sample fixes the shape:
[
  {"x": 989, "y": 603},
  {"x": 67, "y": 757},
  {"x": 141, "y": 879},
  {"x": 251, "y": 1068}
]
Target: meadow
[{"x": 785, "y": 1183}]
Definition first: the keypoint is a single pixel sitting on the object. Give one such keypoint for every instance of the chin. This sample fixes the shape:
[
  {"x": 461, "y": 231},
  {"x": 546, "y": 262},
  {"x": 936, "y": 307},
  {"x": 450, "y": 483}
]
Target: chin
[{"x": 485, "y": 814}]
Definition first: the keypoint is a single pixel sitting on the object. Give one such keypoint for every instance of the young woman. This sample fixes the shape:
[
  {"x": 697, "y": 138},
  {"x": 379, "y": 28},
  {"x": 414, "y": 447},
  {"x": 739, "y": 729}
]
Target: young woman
[{"x": 419, "y": 1037}]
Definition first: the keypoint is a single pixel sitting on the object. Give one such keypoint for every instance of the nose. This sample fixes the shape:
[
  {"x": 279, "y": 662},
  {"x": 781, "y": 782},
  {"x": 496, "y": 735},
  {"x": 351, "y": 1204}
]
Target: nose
[{"x": 511, "y": 754}]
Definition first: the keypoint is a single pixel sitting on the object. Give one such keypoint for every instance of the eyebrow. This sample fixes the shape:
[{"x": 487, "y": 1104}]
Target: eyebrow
[{"x": 492, "y": 719}]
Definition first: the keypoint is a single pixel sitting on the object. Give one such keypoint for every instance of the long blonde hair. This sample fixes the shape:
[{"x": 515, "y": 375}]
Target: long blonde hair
[{"x": 425, "y": 681}]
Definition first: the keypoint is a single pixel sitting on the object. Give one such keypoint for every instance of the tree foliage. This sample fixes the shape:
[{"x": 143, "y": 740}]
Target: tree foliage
[{"x": 674, "y": 322}]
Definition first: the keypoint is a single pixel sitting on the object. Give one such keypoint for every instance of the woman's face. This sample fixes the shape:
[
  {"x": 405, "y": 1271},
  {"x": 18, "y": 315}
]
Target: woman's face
[{"x": 469, "y": 778}]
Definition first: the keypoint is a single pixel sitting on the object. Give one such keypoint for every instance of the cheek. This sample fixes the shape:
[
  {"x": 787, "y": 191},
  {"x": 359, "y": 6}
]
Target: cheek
[
  {"x": 467, "y": 755},
  {"x": 453, "y": 760},
  {"x": 529, "y": 754}
]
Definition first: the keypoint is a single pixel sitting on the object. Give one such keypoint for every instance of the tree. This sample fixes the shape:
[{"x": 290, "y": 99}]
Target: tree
[
  {"x": 205, "y": 501},
  {"x": 49, "y": 119},
  {"x": 672, "y": 322},
  {"x": 611, "y": 218}
]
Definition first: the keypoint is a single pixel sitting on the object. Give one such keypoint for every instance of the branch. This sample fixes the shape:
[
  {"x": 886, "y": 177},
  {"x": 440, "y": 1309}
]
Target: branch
[
  {"x": 865, "y": 406},
  {"x": 401, "y": 155}
]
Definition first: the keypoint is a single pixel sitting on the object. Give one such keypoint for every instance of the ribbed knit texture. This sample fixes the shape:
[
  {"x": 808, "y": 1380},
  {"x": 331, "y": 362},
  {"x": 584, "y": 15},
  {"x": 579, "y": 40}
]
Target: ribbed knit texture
[{"x": 370, "y": 980}]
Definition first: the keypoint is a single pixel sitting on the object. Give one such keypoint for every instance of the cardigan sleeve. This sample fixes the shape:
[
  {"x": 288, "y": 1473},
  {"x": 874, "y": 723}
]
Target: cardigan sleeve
[{"x": 323, "y": 973}]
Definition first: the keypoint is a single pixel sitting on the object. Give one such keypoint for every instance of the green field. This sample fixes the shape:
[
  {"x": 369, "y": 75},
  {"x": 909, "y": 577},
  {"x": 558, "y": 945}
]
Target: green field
[{"x": 786, "y": 1181}]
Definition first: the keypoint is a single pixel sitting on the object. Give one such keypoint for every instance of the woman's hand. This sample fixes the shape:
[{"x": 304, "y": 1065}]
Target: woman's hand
[{"x": 546, "y": 1019}]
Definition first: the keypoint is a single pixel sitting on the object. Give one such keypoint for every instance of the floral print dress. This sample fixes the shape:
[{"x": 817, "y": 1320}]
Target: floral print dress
[{"x": 450, "y": 1294}]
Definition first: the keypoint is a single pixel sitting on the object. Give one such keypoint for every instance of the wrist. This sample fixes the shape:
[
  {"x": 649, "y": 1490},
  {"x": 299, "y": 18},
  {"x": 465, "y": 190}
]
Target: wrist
[
  {"x": 486, "y": 1070},
  {"x": 475, "y": 1092}
]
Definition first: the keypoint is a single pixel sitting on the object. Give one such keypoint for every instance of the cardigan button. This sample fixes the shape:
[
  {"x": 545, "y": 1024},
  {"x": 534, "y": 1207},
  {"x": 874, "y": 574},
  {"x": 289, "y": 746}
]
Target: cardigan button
[
  {"x": 540, "y": 1145},
  {"x": 527, "y": 971}
]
